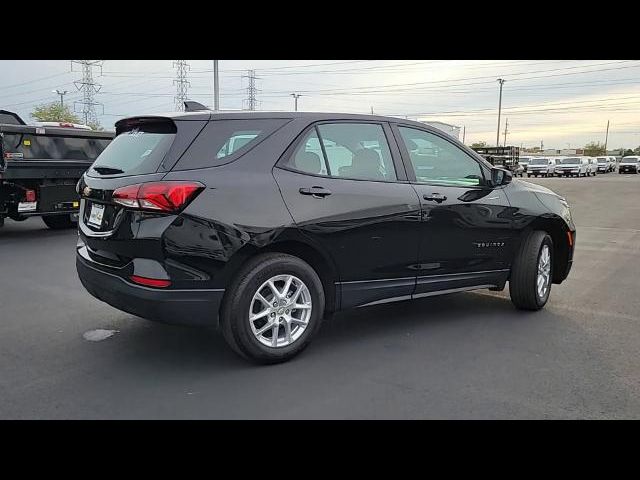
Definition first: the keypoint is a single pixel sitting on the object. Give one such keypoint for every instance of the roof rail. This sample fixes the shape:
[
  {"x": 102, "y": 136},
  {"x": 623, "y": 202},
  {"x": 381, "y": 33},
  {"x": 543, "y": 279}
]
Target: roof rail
[{"x": 191, "y": 106}]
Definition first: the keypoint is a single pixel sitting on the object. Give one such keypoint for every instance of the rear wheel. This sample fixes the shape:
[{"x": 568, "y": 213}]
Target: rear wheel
[
  {"x": 273, "y": 308},
  {"x": 532, "y": 272},
  {"x": 58, "y": 222}
]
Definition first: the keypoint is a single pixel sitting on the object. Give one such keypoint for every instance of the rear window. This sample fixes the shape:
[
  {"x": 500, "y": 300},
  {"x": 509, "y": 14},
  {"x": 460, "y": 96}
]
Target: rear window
[
  {"x": 223, "y": 141},
  {"x": 138, "y": 148}
]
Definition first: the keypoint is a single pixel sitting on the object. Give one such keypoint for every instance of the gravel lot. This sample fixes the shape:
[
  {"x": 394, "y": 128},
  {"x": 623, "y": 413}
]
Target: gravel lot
[{"x": 468, "y": 355}]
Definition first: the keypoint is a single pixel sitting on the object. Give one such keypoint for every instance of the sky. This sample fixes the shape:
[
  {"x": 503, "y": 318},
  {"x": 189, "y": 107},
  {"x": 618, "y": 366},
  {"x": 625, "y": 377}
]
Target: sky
[{"x": 564, "y": 104}]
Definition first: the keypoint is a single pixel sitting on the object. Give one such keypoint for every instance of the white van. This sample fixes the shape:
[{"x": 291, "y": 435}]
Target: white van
[
  {"x": 541, "y": 166},
  {"x": 573, "y": 167}
]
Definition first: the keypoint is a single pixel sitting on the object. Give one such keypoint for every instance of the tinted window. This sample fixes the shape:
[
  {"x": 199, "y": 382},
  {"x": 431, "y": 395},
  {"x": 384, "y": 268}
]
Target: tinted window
[
  {"x": 138, "y": 148},
  {"x": 435, "y": 160},
  {"x": 357, "y": 150},
  {"x": 222, "y": 141},
  {"x": 308, "y": 157}
]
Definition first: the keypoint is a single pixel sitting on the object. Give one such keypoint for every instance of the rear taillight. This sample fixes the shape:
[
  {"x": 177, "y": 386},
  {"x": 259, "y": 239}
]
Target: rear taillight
[
  {"x": 168, "y": 196},
  {"x": 30, "y": 195}
]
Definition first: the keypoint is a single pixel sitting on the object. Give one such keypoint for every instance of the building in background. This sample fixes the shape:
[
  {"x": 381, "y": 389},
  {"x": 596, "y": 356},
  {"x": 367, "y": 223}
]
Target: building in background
[{"x": 452, "y": 130}]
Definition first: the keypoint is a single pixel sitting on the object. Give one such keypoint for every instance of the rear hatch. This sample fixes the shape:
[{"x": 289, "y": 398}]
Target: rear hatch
[{"x": 127, "y": 204}]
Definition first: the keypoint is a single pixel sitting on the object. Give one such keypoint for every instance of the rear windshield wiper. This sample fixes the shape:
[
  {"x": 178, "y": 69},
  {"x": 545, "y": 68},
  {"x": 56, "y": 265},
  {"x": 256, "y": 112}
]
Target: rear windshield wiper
[{"x": 102, "y": 170}]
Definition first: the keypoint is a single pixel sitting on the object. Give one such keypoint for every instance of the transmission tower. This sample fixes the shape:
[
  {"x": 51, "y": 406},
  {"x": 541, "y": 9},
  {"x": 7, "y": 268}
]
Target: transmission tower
[
  {"x": 89, "y": 89},
  {"x": 181, "y": 83},
  {"x": 251, "y": 101}
]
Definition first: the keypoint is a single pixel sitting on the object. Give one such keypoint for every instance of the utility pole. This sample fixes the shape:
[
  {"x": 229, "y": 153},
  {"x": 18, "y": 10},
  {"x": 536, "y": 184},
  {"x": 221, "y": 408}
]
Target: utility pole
[
  {"x": 541, "y": 145},
  {"x": 216, "y": 87},
  {"x": 606, "y": 138},
  {"x": 181, "y": 83},
  {"x": 89, "y": 89},
  {"x": 251, "y": 101},
  {"x": 296, "y": 96},
  {"x": 506, "y": 130},
  {"x": 464, "y": 131},
  {"x": 501, "y": 82},
  {"x": 62, "y": 94}
]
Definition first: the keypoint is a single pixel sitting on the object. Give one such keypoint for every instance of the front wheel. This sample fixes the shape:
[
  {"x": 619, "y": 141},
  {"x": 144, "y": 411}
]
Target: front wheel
[
  {"x": 273, "y": 308},
  {"x": 532, "y": 272},
  {"x": 58, "y": 222}
]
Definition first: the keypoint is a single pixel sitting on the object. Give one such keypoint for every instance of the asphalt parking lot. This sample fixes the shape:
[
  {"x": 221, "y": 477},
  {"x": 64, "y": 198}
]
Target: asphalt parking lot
[{"x": 468, "y": 355}]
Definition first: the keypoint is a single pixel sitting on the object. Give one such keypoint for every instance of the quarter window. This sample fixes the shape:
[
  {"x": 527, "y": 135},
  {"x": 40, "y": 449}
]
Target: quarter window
[{"x": 437, "y": 161}]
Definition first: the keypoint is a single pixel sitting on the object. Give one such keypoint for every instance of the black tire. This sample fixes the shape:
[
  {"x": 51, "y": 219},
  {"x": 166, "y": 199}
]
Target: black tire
[
  {"x": 234, "y": 320},
  {"x": 59, "y": 222},
  {"x": 524, "y": 272}
]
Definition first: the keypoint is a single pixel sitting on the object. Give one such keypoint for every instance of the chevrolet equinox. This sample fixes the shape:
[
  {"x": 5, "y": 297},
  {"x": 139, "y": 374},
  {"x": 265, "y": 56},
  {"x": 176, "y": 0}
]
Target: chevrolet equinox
[{"x": 263, "y": 224}]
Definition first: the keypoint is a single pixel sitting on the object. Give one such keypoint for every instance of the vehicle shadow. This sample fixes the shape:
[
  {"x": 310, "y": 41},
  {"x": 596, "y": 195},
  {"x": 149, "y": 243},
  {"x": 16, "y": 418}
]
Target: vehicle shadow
[{"x": 194, "y": 348}]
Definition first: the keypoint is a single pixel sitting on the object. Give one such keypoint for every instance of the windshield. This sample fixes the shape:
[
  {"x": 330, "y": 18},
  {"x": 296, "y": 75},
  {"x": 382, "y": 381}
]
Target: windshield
[
  {"x": 630, "y": 160},
  {"x": 538, "y": 161},
  {"x": 571, "y": 161},
  {"x": 602, "y": 160}
]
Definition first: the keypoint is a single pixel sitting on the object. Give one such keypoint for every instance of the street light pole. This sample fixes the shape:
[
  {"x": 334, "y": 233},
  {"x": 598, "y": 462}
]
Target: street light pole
[
  {"x": 606, "y": 138},
  {"x": 216, "y": 87},
  {"x": 296, "y": 96},
  {"x": 62, "y": 94},
  {"x": 501, "y": 82}
]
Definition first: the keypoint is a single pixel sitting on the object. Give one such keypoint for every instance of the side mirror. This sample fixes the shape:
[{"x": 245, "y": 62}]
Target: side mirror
[{"x": 500, "y": 176}]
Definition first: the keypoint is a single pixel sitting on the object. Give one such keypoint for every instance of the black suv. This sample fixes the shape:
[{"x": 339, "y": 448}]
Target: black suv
[{"x": 265, "y": 223}]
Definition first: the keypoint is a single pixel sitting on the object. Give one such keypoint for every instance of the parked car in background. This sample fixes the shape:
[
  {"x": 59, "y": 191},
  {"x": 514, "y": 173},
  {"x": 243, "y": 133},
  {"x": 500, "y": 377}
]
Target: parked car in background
[
  {"x": 604, "y": 164},
  {"x": 592, "y": 166},
  {"x": 557, "y": 161},
  {"x": 524, "y": 161},
  {"x": 317, "y": 213},
  {"x": 573, "y": 167},
  {"x": 629, "y": 164},
  {"x": 541, "y": 166}
]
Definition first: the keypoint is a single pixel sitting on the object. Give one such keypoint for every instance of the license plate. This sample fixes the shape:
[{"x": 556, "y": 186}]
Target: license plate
[
  {"x": 27, "y": 207},
  {"x": 95, "y": 217}
]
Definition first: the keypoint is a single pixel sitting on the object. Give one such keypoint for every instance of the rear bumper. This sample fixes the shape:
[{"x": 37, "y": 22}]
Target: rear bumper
[{"x": 180, "y": 307}]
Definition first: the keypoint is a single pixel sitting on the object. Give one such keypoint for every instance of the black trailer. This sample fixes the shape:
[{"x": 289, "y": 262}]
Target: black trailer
[
  {"x": 40, "y": 167},
  {"x": 506, "y": 157}
]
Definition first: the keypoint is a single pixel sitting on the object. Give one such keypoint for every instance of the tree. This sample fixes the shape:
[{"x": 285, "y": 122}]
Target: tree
[
  {"x": 627, "y": 152},
  {"x": 54, "y": 112},
  {"x": 479, "y": 145},
  {"x": 95, "y": 126},
  {"x": 637, "y": 151},
  {"x": 593, "y": 149}
]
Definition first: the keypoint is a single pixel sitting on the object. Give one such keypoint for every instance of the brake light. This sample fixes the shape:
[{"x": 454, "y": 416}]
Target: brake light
[
  {"x": 169, "y": 196},
  {"x": 30, "y": 195},
  {"x": 150, "y": 282}
]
